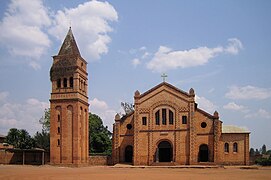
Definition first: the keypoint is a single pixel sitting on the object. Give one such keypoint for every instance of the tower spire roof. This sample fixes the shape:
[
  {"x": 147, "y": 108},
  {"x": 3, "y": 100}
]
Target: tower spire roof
[{"x": 69, "y": 46}]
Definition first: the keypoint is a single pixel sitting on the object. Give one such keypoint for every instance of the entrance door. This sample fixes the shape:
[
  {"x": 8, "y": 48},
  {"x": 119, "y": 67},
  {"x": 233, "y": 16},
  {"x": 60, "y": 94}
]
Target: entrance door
[
  {"x": 165, "y": 151},
  {"x": 129, "y": 153},
  {"x": 203, "y": 153}
]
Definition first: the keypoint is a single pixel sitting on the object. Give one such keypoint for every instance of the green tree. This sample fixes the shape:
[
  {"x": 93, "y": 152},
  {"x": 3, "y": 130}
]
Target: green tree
[
  {"x": 99, "y": 136},
  {"x": 127, "y": 107},
  {"x": 257, "y": 152},
  {"x": 42, "y": 140},
  {"x": 45, "y": 121},
  {"x": 20, "y": 139},
  {"x": 263, "y": 149},
  {"x": 252, "y": 152},
  {"x": 12, "y": 137}
]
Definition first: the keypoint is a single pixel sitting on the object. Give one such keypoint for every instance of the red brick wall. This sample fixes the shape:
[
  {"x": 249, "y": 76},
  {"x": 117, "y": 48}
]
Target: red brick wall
[{"x": 99, "y": 160}]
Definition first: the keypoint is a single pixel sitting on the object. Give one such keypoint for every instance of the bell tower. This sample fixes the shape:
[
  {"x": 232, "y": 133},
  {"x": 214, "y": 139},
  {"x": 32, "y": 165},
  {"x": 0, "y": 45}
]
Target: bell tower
[{"x": 69, "y": 144}]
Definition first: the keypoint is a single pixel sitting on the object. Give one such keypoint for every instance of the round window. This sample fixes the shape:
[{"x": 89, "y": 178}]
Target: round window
[
  {"x": 129, "y": 126},
  {"x": 203, "y": 124}
]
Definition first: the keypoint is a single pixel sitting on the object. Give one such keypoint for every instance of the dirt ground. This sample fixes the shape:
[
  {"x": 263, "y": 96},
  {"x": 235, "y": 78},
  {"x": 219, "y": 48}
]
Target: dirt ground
[{"x": 111, "y": 173}]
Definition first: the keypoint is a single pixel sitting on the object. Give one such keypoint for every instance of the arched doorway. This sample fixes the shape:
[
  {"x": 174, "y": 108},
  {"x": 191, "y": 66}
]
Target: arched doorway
[
  {"x": 164, "y": 152},
  {"x": 203, "y": 153},
  {"x": 129, "y": 153}
]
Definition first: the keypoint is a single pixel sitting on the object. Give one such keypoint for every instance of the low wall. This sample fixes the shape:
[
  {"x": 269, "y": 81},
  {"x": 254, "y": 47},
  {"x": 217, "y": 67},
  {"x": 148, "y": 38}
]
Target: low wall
[
  {"x": 31, "y": 158},
  {"x": 99, "y": 160}
]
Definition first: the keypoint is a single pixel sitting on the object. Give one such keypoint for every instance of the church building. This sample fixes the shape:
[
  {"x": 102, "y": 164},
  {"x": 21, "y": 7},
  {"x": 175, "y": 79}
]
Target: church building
[
  {"x": 69, "y": 144},
  {"x": 167, "y": 128}
]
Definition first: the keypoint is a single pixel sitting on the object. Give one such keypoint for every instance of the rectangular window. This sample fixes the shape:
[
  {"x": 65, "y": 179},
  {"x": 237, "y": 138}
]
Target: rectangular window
[
  {"x": 58, "y": 130},
  {"x": 171, "y": 119},
  {"x": 59, "y": 83},
  {"x": 65, "y": 82},
  {"x": 144, "y": 121},
  {"x": 157, "y": 118},
  {"x": 164, "y": 116},
  {"x": 71, "y": 81},
  {"x": 58, "y": 142},
  {"x": 184, "y": 119}
]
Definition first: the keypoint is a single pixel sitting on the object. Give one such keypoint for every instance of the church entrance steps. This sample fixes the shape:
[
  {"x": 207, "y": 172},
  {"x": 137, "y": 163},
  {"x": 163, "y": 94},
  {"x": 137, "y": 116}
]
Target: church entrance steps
[{"x": 163, "y": 165}]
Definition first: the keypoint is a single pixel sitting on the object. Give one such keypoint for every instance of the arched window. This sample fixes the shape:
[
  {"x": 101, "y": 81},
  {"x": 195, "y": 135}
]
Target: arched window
[
  {"x": 171, "y": 117},
  {"x": 157, "y": 118},
  {"x": 235, "y": 147},
  {"x": 226, "y": 147},
  {"x": 164, "y": 116},
  {"x": 71, "y": 81},
  {"x": 65, "y": 82},
  {"x": 58, "y": 83}
]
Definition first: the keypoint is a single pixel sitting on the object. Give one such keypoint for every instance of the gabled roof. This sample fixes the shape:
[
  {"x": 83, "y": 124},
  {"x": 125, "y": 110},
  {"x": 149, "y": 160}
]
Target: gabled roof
[
  {"x": 234, "y": 129},
  {"x": 127, "y": 115},
  {"x": 69, "y": 46},
  {"x": 164, "y": 84},
  {"x": 205, "y": 113}
]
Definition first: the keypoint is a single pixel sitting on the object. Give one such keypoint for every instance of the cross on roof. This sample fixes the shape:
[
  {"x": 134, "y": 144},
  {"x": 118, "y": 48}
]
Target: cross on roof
[{"x": 164, "y": 76}]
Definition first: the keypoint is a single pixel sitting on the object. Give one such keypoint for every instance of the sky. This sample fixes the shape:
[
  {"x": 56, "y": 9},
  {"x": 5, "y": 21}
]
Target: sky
[{"x": 219, "y": 48}]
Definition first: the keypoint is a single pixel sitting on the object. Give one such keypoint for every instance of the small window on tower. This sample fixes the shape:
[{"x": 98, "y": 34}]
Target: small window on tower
[
  {"x": 58, "y": 83},
  {"x": 58, "y": 130},
  {"x": 144, "y": 121},
  {"x": 71, "y": 81},
  {"x": 184, "y": 119},
  {"x": 58, "y": 142},
  {"x": 58, "y": 117},
  {"x": 65, "y": 83}
]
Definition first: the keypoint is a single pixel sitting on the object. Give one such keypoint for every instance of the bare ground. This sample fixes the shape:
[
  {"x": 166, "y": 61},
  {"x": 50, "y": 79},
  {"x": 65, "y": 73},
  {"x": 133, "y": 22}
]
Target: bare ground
[{"x": 111, "y": 173}]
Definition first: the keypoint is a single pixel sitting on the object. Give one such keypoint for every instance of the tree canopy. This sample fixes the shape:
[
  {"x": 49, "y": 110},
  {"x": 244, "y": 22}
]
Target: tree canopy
[
  {"x": 99, "y": 136},
  {"x": 20, "y": 139}
]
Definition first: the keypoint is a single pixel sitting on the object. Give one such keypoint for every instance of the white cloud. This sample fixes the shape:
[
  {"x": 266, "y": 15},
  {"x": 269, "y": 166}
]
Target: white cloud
[
  {"x": 96, "y": 103},
  {"x": 90, "y": 24},
  {"x": 205, "y": 104},
  {"x": 21, "y": 115},
  {"x": 166, "y": 58},
  {"x": 261, "y": 113},
  {"x": 21, "y": 29},
  {"x": 136, "y": 62},
  {"x": 26, "y": 24},
  {"x": 145, "y": 55},
  {"x": 101, "y": 108},
  {"x": 143, "y": 48},
  {"x": 3, "y": 96},
  {"x": 248, "y": 92},
  {"x": 235, "y": 107},
  {"x": 234, "y": 46}
]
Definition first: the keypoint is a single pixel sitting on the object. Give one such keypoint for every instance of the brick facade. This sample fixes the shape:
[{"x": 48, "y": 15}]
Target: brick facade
[
  {"x": 69, "y": 106},
  {"x": 167, "y": 126}
]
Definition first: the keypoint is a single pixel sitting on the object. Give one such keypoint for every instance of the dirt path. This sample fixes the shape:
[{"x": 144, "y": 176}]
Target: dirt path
[{"x": 109, "y": 173}]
